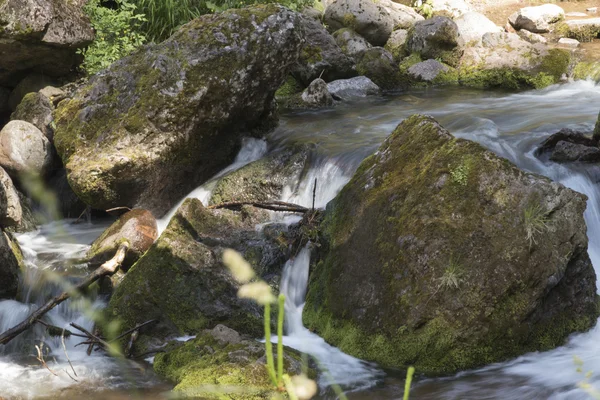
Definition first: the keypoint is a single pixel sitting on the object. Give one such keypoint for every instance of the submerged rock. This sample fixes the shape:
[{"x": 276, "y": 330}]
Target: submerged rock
[
  {"x": 182, "y": 282},
  {"x": 568, "y": 145},
  {"x": 24, "y": 149},
  {"x": 163, "y": 120},
  {"x": 222, "y": 356},
  {"x": 537, "y": 19},
  {"x": 320, "y": 56},
  {"x": 137, "y": 226},
  {"x": 372, "y": 19},
  {"x": 41, "y": 36},
  {"x": 453, "y": 258}
]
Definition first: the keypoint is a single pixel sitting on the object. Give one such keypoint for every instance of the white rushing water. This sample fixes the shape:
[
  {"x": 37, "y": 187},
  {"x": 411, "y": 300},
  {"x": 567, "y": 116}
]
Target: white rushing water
[{"x": 509, "y": 125}]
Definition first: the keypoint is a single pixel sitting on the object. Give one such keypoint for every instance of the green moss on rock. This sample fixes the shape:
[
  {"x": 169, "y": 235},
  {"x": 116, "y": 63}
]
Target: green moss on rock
[{"x": 434, "y": 268}]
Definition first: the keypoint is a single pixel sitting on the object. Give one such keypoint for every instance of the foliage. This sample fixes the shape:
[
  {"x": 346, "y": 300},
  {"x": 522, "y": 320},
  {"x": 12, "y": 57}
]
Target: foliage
[
  {"x": 163, "y": 17},
  {"x": 460, "y": 175},
  {"x": 452, "y": 277},
  {"x": 117, "y": 33},
  {"x": 536, "y": 222},
  {"x": 425, "y": 8}
]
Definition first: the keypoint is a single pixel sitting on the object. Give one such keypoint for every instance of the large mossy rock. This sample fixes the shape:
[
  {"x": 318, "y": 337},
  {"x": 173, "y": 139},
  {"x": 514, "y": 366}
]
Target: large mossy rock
[
  {"x": 11, "y": 262},
  {"x": 222, "y": 357},
  {"x": 160, "y": 122},
  {"x": 452, "y": 258},
  {"x": 41, "y": 36},
  {"x": 182, "y": 282}
]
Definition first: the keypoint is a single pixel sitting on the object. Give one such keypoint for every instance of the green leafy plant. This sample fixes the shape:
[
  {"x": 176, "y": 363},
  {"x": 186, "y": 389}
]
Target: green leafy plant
[
  {"x": 425, "y": 8},
  {"x": 163, "y": 17},
  {"x": 536, "y": 222},
  {"x": 460, "y": 175},
  {"x": 117, "y": 33},
  {"x": 452, "y": 277}
]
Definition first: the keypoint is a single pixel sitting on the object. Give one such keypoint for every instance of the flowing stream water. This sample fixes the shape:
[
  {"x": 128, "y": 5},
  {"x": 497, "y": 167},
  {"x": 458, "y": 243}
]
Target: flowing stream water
[{"x": 511, "y": 125}]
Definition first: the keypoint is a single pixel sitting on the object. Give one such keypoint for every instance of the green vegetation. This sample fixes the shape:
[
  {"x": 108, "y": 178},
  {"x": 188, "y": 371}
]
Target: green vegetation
[
  {"x": 117, "y": 33},
  {"x": 536, "y": 222}
]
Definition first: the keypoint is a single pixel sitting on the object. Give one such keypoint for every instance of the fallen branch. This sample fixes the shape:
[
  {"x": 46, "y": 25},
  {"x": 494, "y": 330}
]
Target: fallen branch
[
  {"x": 106, "y": 269},
  {"x": 40, "y": 358},
  {"x": 62, "y": 340},
  {"x": 268, "y": 205}
]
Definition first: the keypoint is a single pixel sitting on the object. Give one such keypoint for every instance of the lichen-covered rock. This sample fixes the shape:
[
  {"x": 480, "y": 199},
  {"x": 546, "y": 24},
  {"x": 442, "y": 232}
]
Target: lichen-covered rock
[
  {"x": 137, "y": 226},
  {"x": 473, "y": 25},
  {"x": 453, "y": 258},
  {"x": 532, "y": 37},
  {"x": 161, "y": 121},
  {"x": 24, "y": 148},
  {"x": 584, "y": 30},
  {"x": 345, "y": 89},
  {"x": 182, "y": 282},
  {"x": 395, "y": 44},
  {"x": 36, "y": 109},
  {"x": 436, "y": 38},
  {"x": 316, "y": 95},
  {"x": 222, "y": 356},
  {"x": 427, "y": 71},
  {"x": 351, "y": 43},
  {"x": 504, "y": 59},
  {"x": 264, "y": 179},
  {"x": 378, "y": 65},
  {"x": 372, "y": 19},
  {"x": 321, "y": 57},
  {"x": 10, "y": 265},
  {"x": 11, "y": 213},
  {"x": 537, "y": 19},
  {"x": 41, "y": 36},
  {"x": 451, "y": 8}
]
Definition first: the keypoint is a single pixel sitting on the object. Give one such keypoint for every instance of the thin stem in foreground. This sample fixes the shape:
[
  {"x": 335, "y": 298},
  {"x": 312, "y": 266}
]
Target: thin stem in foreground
[
  {"x": 268, "y": 344},
  {"x": 280, "y": 339}
]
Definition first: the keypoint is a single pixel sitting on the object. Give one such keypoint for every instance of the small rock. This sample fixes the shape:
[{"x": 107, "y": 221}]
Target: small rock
[
  {"x": 576, "y": 14},
  {"x": 30, "y": 84},
  {"x": 531, "y": 37},
  {"x": 592, "y": 9},
  {"x": 570, "y": 152},
  {"x": 568, "y": 42},
  {"x": 24, "y": 148},
  {"x": 438, "y": 38},
  {"x": 373, "y": 19},
  {"x": 361, "y": 86},
  {"x": 395, "y": 43},
  {"x": 224, "y": 335},
  {"x": 351, "y": 43},
  {"x": 473, "y": 25},
  {"x": 36, "y": 109},
  {"x": 10, "y": 204},
  {"x": 537, "y": 19},
  {"x": 317, "y": 94},
  {"x": 137, "y": 226},
  {"x": 427, "y": 71}
]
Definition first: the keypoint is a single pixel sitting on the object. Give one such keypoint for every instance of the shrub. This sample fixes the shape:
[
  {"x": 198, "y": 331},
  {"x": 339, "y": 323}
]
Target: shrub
[{"x": 117, "y": 33}]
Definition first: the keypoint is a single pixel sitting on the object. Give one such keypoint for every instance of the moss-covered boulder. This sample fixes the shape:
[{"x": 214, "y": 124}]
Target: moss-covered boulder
[
  {"x": 378, "y": 65},
  {"x": 262, "y": 180},
  {"x": 220, "y": 363},
  {"x": 41, "y": 36},
  {"x": 437, "y": 38},
  {"x": 181, "y": 281},
  {"x": 320, "y": 57},
  {"x": 36, "y": 109},
  {"x": 138, "y": 227},
  {"x": 452, "y": 258},
  {"x": 158, "y": 123},
  {"x": 506, "y": 60}
]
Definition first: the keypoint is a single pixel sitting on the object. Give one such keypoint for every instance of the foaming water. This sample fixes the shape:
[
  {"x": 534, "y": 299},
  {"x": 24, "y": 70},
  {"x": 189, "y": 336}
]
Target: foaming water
[
  {"x": 50, "y": 255},
  {"x": 340, "y": 368},
  {"x": 252, "y": 150}
]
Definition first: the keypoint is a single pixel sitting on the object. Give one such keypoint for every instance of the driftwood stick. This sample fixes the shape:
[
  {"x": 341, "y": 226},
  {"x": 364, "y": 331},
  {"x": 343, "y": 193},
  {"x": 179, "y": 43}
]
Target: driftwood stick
[
  {"x": 62, "y": 340},
  {"x": 270, "y": 205},
  {"x": 54, "y": 330},
  {"x": 90, "y": 335},
  {"x": 106, "y": 269},
  {"x": 314, "y": 195},
  {"x": 136, "y": 328}
]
